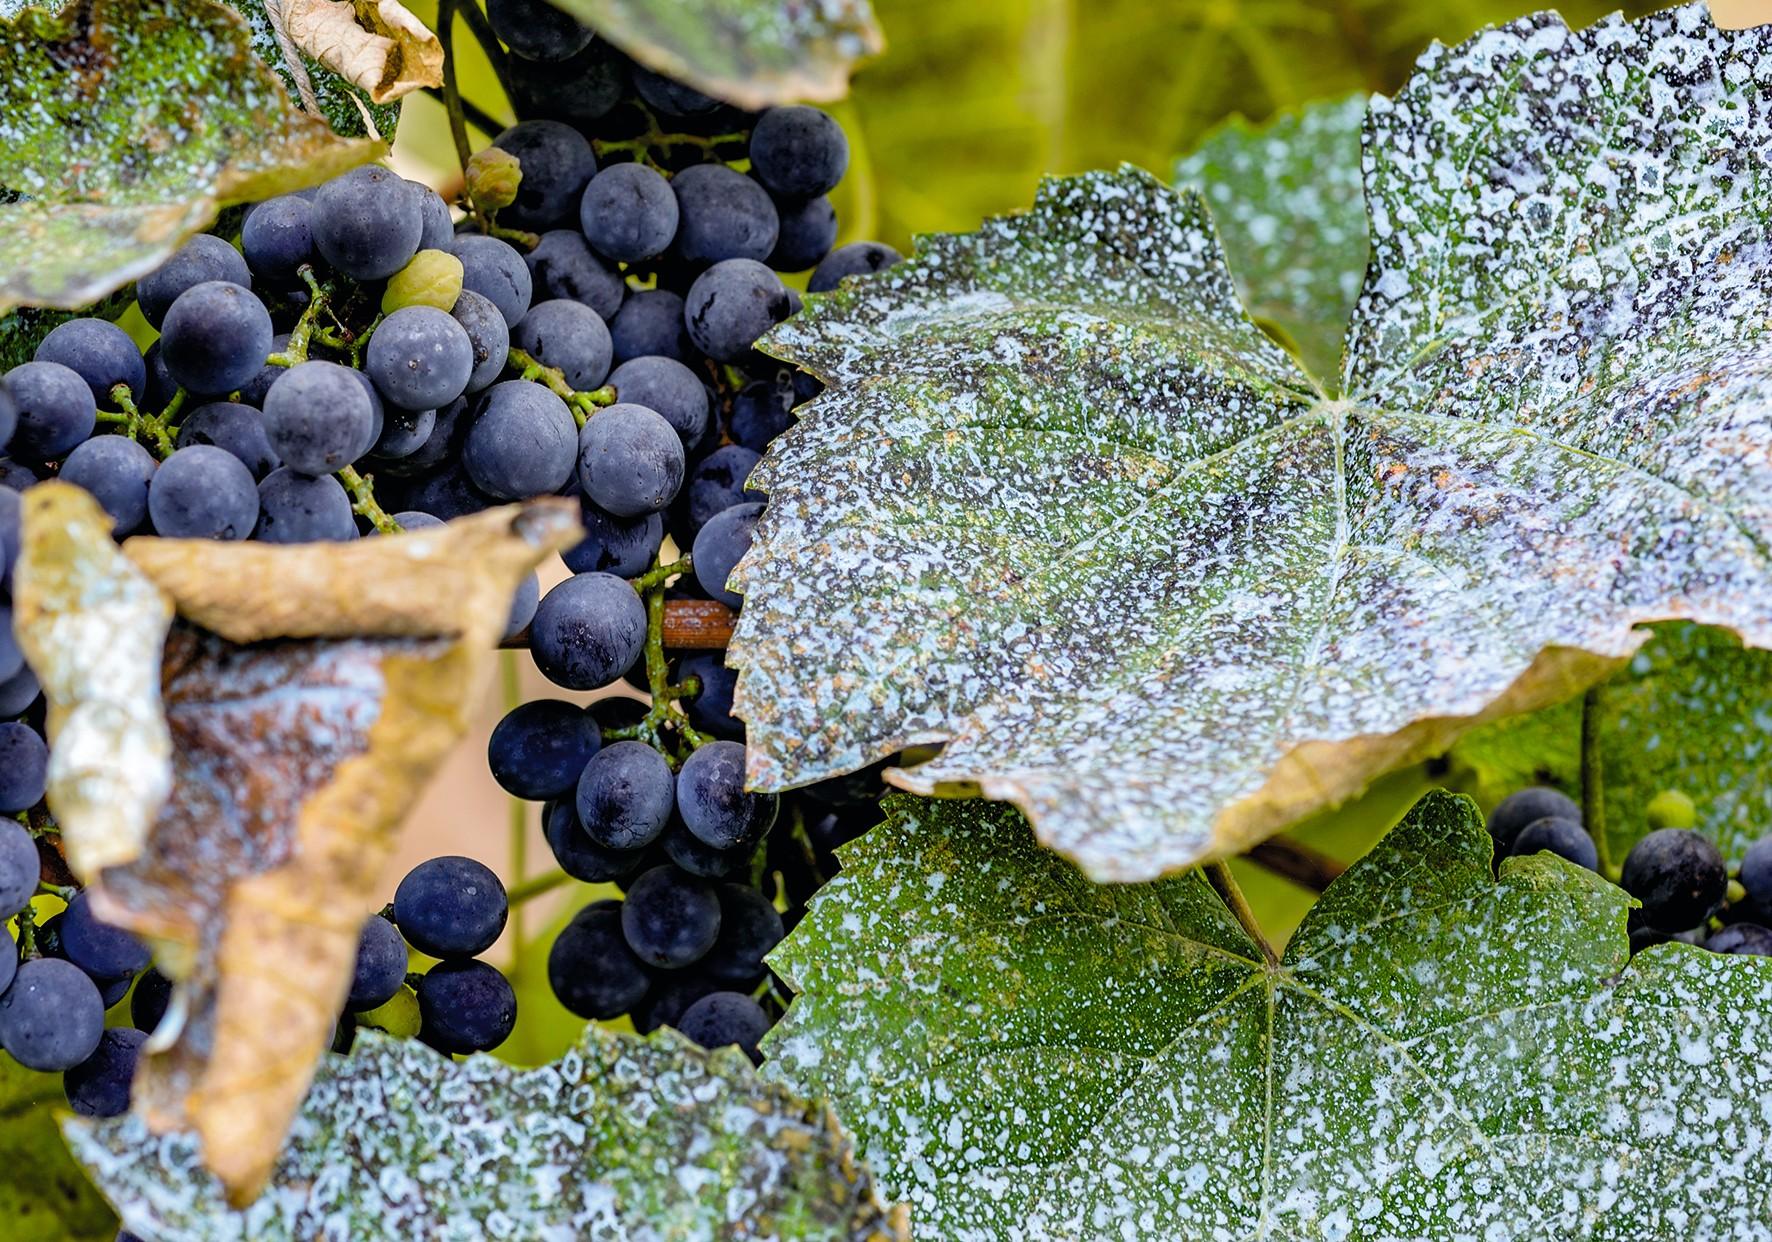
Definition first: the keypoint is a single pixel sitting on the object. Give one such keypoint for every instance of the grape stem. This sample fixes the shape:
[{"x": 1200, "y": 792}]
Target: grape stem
[
  {"x": 665, "y": 712},
  {"x": 1218, "y": 874},
  {"x": 319, "y": 302},
  {"x": 475, "y": 115},
  {"x": 151, "y": 427},
  {"x": 1301, "y": 864},
  {"x": 533, "y": 887},
  {"x": 363, "y": 501},
  {"x": 641, "y": 145},
  {"x": 67, "y": 892},
  {"x": 27, "y": 934},
  {"x": 582, "y": 404}
]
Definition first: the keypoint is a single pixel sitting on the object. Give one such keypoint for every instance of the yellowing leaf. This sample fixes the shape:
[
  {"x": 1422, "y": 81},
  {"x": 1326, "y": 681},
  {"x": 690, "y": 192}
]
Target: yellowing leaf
[{"x": 376, "y": 45}]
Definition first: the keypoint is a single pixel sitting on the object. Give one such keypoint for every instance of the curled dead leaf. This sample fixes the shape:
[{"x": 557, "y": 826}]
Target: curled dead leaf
[
  {"x": 309, "y": 693},
  {"x": 377, "y": 45}
]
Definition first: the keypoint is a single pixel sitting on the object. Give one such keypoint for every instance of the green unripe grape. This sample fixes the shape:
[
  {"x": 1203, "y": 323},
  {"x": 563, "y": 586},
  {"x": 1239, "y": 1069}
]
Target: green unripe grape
[
  {"x": 493, "y": 176},
  {"x": 1672, "y": 809},
  {"x": 433, "y": 278},
  {"x": 398, "y": 1017}
]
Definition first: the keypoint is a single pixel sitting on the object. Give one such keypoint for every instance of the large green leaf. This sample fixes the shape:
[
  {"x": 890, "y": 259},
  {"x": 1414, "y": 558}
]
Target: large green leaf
[
  {"x": 1068, "y": 511},
  {"x": 1440, "y": 1054},
  {"x": 44, "y": 1197},
  {"x": 128, "y": 126},
  {"x": 1286, "y": 199},
  {"x": 621, "y": 1138}
]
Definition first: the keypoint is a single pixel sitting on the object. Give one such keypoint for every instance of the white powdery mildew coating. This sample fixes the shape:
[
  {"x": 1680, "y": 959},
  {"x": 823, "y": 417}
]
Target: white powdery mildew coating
[
  {"x": 1440, "y": 1055},
  {"x": 619, "y": 1139},
  {"x": 1065, "y": 509}
]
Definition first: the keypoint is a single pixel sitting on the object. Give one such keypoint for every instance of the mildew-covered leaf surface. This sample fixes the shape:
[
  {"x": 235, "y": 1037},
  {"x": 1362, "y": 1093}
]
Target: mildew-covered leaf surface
[
  {"x": 1286, "y": 197},
  {"x": 1067, "y": 510},
  {"x": 1440, "y": 1054},
  {"x": 621, "y": 1138},
  {"x": 749, "y": 52},
  {"x": 124, "y": 127}
]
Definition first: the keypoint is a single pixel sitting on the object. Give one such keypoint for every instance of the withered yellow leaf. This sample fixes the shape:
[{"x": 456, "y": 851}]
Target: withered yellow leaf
[{"x": 377, "y": 45}]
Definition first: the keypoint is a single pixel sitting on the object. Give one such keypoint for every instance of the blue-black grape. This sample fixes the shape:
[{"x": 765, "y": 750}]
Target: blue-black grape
[
  {"x": 149, "y": 1000},
  {"x": 698, "y": 858},
  {"x": 1677, "y": 875},
  {"x": 720, "y": 545},
  {"x": 421, "y": 358},
  {"x": 568, "y": 336},
  {"x": 670, "y": 97},
  {"x": 381, "y": 965},
  {"x": 808, "y": 231},
  {"x": 1744, "y": 939},
  {"x": 450, "y": 907},
  {"x": 100, "y": 353},
  {"x": 563, "y": 266},
  {"x": 9, "y": 533},
  {"x": 536, "y": 30},
  {"x": 1756, "y": 872},
  {"x": 670, "y": 995},
  {"x": 762, "y": 410},
  {"x": 24, "y": 769},
  {"x": 300, "y": 508},
  {"x": 629, "y": 213},
  {"x": 523, "y": 442},
  {"x": 12, "y": 658},
  {"x": 318, "y": 417},
  {"x": 710, "y": 708},
  {"x": 18, "y": 693},
  {"x": 1565, "y": 838},
  {"x": 449, "y": 494},
  {"x": 579, "y": 91},
  {"x": 670, "y": 918},
  {"x": 99, "y": 1085},
  {"x": 55, "y": 408},
  {"x": 577, "y": 855},
  {"x": 161, "y": 387},
  {"x": 367, "y": 223},
  {"x": 590, "y": 967},
  {"x": 215, "y": 338},
  {"x": 798, "y": 151},
  {"x": 667, "y": 386},
  {"x": 204, "y": 257},
  {"x": 437, "y": 225},
  {"x": 277, "y": 238},
  {"x": 403, "y": 433},
  {"x": 101, "y": 949},
  {"x": 749, "y": 928},
  {"x": 52, "y": 1016},
  {"x": 650, "y": 322},
  {"x": 732, "y": 304},
  {"x": 253, "y": 391},
  {"x": 465, "y": 1007},
  {"x": 720, "y": 1019},
  {"x": 237, "y": 428},
  {"x": 588, "y": 631},
  {"x": 8, "y": 415},
  {"x": 862, "y": 258},
  {"x": 203, "y": 492},
  {"x": 624, "y": 547},
  {"x": 714, "y": 803},
  {"x": 117, "y": 471},
  {"x": 489, "y": 335},
  {"x": 1528, "y": 806},
  {"x": 524, "y": 601},
  {"x": 493, "y": 269},
  {"x": 538, "y": 750},
  {"x": 717, "y": 483},
  {"x": 624, "y": 796},
  {"x": 722, "y": 214},
  {"x": 630, "y": 460},
  {"x": 557, "y": 162}
]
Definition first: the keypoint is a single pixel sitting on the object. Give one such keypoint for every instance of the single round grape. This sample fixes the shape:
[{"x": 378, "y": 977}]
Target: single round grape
[
  {"x": 99, "y": 1085},
  {"x": 557, "y": 163},
  {"x": 55, "y": 409},
  {"x": 1746, "y": 939},
  {"x": 277, "y": 238},
  {"x": 52, "y": 1016},
  {"x": 761, "y": 411},
  {"x": 630, "y": 460},
  {"x": 721, "y": 1019},
  {"x": 449, "y": 494},
  {"x": 299, "y": 508},
  {"x": 579, "y": 91},
  {"x": 670, "y": 388},
  {"x": 650, "y": 322},
  {"x": 588, "y": 631},
  {"x": 577, "y": 855},
  {"x": 117, "y": 471},
  {"x": 1565, "y": 838},
  {"x": 237, "y": 428},
  {"x": 523, "y": 442},
  {"x": 749, "y": 928},
  {"x": 808, "y": 231},
  {"x": 9, "y": 533},
  {"x": 538, "y": 750},
  {"x": 253, "y": 391},
  {"x": 421, "y": 358},
  {"x": 1528, "y": 806},
  {"x": 1677, "y": 875},
  {"x": 433, "y": 279},
  {"x": 216, "y": 337},
  {"x": 722, "y": 214},
  {"x": 493, "y": 269},
  {"x": 203, "y": 257},
  {"x": 524, "y": 601},
  {"x": 465, "y": 1007},
  {"x": 149, "y": 1000},
  {"x": 489, "y": 335},
  {"x": 19, "y": 693},
  {"x": 710, "y": 708},
  {"x": 862, "y": 258},
  {"x": 698, "y": 858},
  {"x": 404, "y": 432},
  {"x": 624, "y": 796},
  {"x": 713, "y": 802},
  {"x": 101, "y": 949},
  {"x": 629, "y": 213},
  {"x": 590, "y": 967},
  {"x": 381, "y": 965},
  {"x": 203, "y": 492},
  {"x": 24, "y": 770},
  {"x": 8, "y": 415},
  {"x": 670, "y": 918},
  {"x": 569, "y": 337},
  {"x": 12, "y": 658},
  {"x": 670, "y": 97},
  {"x": 731, "y": 305},
  {"x": 624, "y": 547},
  {"x": 368, "y": 222},
  {"x": 720, "y": 545},
  {"x": 564, "y": 266},
  {"x": 100, "y": 353},
  {"x": 1756, "y": 872},
  {"x": 438, "y": 226},
  {"x": 318, "y": 417},
  {"x": 450, "y": 907},
  {"x": 798, "y": 151}
]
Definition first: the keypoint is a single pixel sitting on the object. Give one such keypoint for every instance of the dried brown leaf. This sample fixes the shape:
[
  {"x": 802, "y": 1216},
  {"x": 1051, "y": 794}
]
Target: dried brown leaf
[{"x": 377, "y": 45}]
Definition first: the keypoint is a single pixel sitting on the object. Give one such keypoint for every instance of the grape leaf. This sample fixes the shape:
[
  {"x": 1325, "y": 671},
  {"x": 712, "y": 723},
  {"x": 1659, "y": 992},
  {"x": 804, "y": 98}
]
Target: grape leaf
[
  {"x": 1440, "y": 1054},
  {"x": 621, "y": 1138},
  {"x": 752, "y": 53},
  {"x": 327, "y": 683},
  {"x": 380, "y": 48},
  {"x": 316, "y": 87},
  {"x": 1286, "y": 199},
  {"x": 44, "y": 1197},
  {"x": 1067, "y": 511},
  {"x": 106, "y": 171}
]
